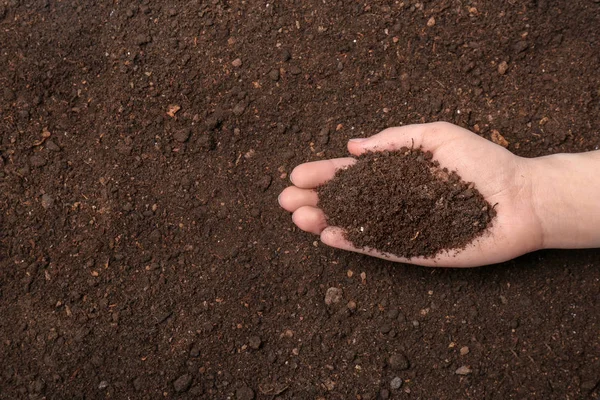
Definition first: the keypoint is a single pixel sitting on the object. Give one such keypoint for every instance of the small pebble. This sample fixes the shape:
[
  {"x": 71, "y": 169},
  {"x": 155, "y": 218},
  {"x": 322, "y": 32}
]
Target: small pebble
[
  {"x": 142, "y": 39},
  {"x": 47, "y": 201},
  {"x": 138, "y": 384},
  {"x": 182, "y": 383},
  {"x": 294, "y": 70},
  {"x": 396, "y": 383},
  {"x": 333, "y": 296},
  {"x": 182, "y": 135},
  {"x": 285, "y": 55},
  {"x": 520, "y": 46},
  {"x": 237, "y": 62},
  {"x": 50, "y": 145},
  {"x": 264, "y": 182},
  {"x": 274, "y": 75},
  {"x": 37, "y": 161},
  {"x": 103, "y": 385},
  {"x": 431, "y": 22},
  {"x": 240, "y": 107},
  {"x": 195, "y": 350},
  {"x": 464, "y": 351},
  {"x": 385, "y": 328},
  {"x": 384, "y": 394},
  {"x": 464, "y": 370},
  {"x": 255, "y": 342},
  {"x": 502, "y": 67},
  {"x": 398, "y": 362}
]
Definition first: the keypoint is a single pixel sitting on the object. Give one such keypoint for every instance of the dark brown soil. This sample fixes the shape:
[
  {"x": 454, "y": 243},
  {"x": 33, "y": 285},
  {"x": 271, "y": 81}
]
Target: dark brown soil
[
  {"x": 142, "y": 252},
  {"x": 404, "y": 203}
]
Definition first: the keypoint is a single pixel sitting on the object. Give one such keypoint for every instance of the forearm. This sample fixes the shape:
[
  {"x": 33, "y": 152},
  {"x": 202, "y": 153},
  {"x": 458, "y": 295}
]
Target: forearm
[{"x": 566, "y": 196}]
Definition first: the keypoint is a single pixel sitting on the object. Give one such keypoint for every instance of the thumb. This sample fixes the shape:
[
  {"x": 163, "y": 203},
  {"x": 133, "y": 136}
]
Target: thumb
[{"x": 426, "y": 136}]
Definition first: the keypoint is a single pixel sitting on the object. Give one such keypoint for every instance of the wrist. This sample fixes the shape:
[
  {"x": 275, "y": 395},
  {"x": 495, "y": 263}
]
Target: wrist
[{"x": 564, "y": 193}]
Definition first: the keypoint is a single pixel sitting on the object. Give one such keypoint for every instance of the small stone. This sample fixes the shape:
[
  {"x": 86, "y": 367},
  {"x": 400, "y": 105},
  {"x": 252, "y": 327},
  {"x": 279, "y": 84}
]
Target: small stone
[
  {"x": 323, "y": 137},
  {"x": 244, "y": 393},
  {"x": 294, "y": 70},
  {"x": 431, "y": 22},
  {"x": 103, "y": 385},
  {"x": 502, "y": 67},
  {"x": 274, "y": 75},
  {"x": 285, "y": 55},
  {"x": 392, "y": 314},
  {"x": 182, "y": 383},
  {"x": 464, "y": 370},
  {"x": 520, "y": 46},
  {"x": 265, "y": 182},
  {"x": 50, "y": 145},
  {"x": 333, "y": 296},
  {"x": 138, "y": 384},
  {"x": 384, "y": 394},
  {"x": 386, "y": 328},
  {"x": 255, "y": 342},
  {"x": 351, "y": 305},
  {"x": 195, "y": 350},
  {"x": 47, "y": 201},
  {"x": 37, "y": 161},
  {"x": 172, "y": 109},
  {"x": 182, "y": 135},
  {"x": 240, "y": 107},
  {"x": 237, "y": 62},
  {"x": 464, "y": 351},
  {"x": 398, "y": 362},
  {"x": 499, "y": 139},
  {"x": 142, "y": 39},
  {"x": 396, "y": 383}
]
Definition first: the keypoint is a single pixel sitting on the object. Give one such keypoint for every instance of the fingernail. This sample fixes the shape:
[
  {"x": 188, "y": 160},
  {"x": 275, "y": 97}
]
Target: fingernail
[
  {"x": 279, "y": 199},
  {"x": 358, "y": 140}
]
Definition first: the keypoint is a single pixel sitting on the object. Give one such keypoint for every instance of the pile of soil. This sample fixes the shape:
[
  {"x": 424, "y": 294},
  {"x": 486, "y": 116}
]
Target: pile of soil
[
  {"x": 143, "y": 145},
  {"x": 404, "y": 203}
]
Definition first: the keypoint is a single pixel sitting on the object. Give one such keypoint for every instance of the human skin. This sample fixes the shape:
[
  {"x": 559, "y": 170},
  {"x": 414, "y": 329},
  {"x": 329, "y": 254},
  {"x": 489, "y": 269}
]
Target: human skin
[{"x": 545, "y": 202}]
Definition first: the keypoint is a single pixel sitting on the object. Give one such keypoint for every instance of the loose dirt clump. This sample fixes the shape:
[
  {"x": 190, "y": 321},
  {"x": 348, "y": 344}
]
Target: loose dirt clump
[{"x": 406, "y": 204}]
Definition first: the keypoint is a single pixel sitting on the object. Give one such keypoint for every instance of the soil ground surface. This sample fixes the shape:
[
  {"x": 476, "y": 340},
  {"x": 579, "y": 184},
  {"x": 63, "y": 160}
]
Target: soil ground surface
[
  {"x": 143, "y": 146},
  {"x": 405, "y": 204}
]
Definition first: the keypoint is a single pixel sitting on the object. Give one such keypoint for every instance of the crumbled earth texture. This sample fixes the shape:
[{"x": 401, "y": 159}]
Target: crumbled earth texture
[
  {"x": 405, "y": 204},
  {"x": 142, "y": 250}
]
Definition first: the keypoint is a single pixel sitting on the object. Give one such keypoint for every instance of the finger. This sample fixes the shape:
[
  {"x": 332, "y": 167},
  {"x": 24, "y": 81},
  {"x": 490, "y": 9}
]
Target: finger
[
  {"x": 473, "y": 255},
  {"x": 312, "y": 174},
  {"x": 428, "y": 136},
  {"x": 310, "y": 219},
  {"x": 334, "y": 236},
  {"x": 293, "y": 198}
]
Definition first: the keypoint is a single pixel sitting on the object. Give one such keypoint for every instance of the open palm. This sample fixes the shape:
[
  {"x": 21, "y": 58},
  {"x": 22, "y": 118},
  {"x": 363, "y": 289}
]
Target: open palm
[{"x": 500, "y": 176}]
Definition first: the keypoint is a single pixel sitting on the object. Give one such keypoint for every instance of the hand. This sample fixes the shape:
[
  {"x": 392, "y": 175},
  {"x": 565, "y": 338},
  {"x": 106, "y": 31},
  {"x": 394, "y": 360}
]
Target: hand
[{"x": 500, "y": 176}]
